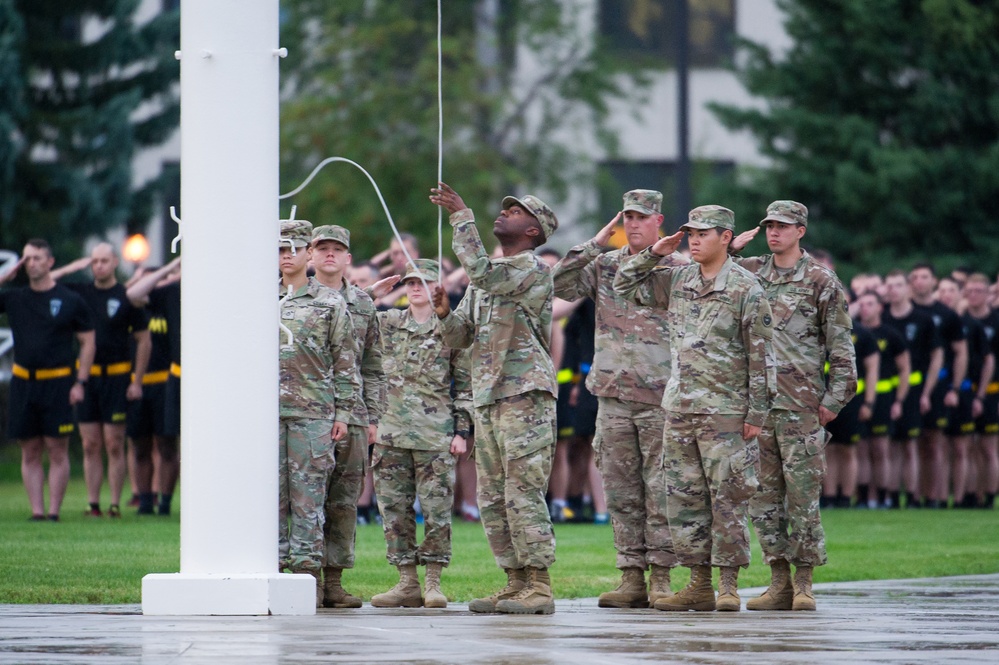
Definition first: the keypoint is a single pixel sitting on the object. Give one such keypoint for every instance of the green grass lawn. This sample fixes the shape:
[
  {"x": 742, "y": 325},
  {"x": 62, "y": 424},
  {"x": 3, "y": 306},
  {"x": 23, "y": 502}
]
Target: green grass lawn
[{"x": 100, "y": 561}]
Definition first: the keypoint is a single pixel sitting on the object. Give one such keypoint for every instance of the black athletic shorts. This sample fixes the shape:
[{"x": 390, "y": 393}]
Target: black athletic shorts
[
  {"x": 147, "y": 416},
  {"x": 171, "y": 411},
  {"x": 585, "y": 423},
  {"x": 938, "y": 415},
  {"x": 846, "y": 427},
  {"x": 104, "y": 400},
  {"x": 908, "y": 426},
  {"x": 880, "y": 423},
  {"x": 40, "y": 408},
  {"x": 960, "y": 420},
  {"x": 988, "y": 422},
  {"x": 564, "y": 414}
]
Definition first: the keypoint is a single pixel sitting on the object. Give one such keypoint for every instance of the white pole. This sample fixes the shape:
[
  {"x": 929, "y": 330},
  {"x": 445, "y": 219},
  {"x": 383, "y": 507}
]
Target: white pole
[{"x": 229, "y": 402}]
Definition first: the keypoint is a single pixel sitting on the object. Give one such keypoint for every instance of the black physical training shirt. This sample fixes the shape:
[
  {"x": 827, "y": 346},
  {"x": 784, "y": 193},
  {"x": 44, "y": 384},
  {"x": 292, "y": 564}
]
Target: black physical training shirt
[
  {"x": 979, "y": 346},
  {"x": 864, "y": 344},
  {"x": 890, "y": 345},
  {"x": 164, "y": 304},
  {"x": 990, "y": 326},
  {"x": 948, "y": 325},
  {"x": 920, "y": 337},
  {"x": 115, "y": 319},
  {"x": 44, "y": 324}
]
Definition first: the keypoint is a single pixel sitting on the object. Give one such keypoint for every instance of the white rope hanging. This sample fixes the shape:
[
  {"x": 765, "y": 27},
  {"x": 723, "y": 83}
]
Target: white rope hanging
[{"x": 440, "y": 173}]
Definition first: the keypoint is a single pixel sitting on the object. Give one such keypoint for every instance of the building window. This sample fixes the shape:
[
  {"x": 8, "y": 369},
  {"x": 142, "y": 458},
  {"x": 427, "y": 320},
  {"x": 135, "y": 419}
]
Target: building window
[{"x": 643, "y": 30}]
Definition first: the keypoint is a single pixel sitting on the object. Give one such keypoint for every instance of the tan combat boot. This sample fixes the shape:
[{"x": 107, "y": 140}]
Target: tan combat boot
[
  {"x": 516, "y": 579},
  {"x": 334, "y": 595},
  {"x": 432, "y": 595},
  {"x": 779, "y": 594},
  {"x": 659, "y": 584},
  {"x": 728, "y": 590},
  {"x": 803, "y": 598},
  {"x": 698, "y": 595},
  {"x": 534, "y": 598},
  {"x": 631, "y": 592},
  {"x": 404, "y": 594}
]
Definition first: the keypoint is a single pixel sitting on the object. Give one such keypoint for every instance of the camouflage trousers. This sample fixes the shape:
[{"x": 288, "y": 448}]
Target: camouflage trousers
[
  {"x": 402, "y": 475},
  {"x": 305, "y": 459},
  {"x": 629, "y": 452},
  {"x": 514, "y": 445},
  {"x": 346, "y": 482},
  {"x": 710, "y": 477},
  {"x": 785, "y": 512}
]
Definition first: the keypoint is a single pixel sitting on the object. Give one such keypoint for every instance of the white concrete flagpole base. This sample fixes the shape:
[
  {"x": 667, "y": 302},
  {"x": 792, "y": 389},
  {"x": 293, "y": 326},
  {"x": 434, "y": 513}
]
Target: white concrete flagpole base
[
  {"x": 180, "y": 594},
  {"x": 229, "y": 403}
]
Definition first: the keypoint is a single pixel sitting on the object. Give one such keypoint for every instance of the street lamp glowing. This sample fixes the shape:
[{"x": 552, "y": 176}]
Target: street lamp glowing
[{"x": 136, "y": 248}]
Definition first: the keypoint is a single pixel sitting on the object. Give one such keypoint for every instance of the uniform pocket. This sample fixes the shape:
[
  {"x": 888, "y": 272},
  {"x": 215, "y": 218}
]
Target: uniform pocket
[{"x": 815, "y": 442}]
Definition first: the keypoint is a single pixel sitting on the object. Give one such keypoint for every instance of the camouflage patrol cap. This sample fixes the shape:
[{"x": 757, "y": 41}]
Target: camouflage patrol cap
[
  {"x": 426, "y": 269},
  {"x": 786, "y": 212},
  {"x": 298, "y": 232},
  {"x": 710, "y": 217},
  {"x": 645, "y": 201},
  {"x": 532, "y": 204},
  {"x": 332, "y": 232}
]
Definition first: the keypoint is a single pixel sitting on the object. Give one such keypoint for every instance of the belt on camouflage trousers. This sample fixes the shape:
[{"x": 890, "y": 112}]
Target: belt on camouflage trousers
[{"x": 40, "y": 374}]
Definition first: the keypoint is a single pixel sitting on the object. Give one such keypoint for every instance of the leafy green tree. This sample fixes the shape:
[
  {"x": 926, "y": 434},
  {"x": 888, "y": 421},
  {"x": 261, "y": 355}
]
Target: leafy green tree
[
  {"x": 361, "y": 82},
  {"x": 883, "y": 118},
  {"x": 77, "y": 73}
]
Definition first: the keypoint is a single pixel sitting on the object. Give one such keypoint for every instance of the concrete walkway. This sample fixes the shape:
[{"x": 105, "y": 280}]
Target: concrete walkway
[{"x": 945, "y": 620}]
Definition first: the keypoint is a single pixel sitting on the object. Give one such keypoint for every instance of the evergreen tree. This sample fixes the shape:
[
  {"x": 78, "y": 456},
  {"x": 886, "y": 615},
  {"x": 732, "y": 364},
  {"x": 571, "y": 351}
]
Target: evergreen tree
[
  {"x": 883, "y": 118},
  {"x": 90, "y": 89},
  {"x": 360, "y": 82}
]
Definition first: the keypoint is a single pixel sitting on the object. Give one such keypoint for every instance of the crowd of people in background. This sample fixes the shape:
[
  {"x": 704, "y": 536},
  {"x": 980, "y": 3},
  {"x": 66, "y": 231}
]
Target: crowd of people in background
[{"x": 923, "y": 431}]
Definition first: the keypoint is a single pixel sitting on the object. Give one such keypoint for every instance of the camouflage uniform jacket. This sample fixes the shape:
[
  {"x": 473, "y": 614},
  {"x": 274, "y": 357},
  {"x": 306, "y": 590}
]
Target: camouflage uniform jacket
[
  {"x": 505, "y": 317},
  {"x": 719, "y": 335},
  {"x": 317, "y": 372},
  {"x": 811, "y": 326},
  {"x": 631, "y": 359},
  {"x": 368, "y": 351},
  {"x": 429, "y": 387}
]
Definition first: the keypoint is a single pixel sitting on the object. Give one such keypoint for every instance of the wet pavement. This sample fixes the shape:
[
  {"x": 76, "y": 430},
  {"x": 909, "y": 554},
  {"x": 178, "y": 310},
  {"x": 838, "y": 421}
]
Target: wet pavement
[{"x": 942, "y": 620}]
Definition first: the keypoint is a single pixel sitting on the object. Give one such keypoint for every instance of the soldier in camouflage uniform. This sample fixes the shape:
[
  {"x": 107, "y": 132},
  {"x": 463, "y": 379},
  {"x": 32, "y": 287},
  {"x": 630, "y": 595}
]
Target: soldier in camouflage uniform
[
  {"x": 317, "y": 390},
  {"x": 331, "y": 257},
  {"x": 505, "y": 318},
  {"x": 630, "y": 368},
  {"x": 716, "y": 399},
  {"x": 812, "y": 326},
  {"x": 425, "y": 425}
]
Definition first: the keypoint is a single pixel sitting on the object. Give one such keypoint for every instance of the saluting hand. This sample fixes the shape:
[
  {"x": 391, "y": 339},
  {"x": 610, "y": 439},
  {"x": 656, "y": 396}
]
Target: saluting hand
[
  {"x": 9, "y": 275},
  {"x": 666, "y": 246},
  {"x": 442, "y": 305},
  {"x": 604, "y": 235},
  {"x": 383, "y": 287},
  {"x": 741, "y": 240}
]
